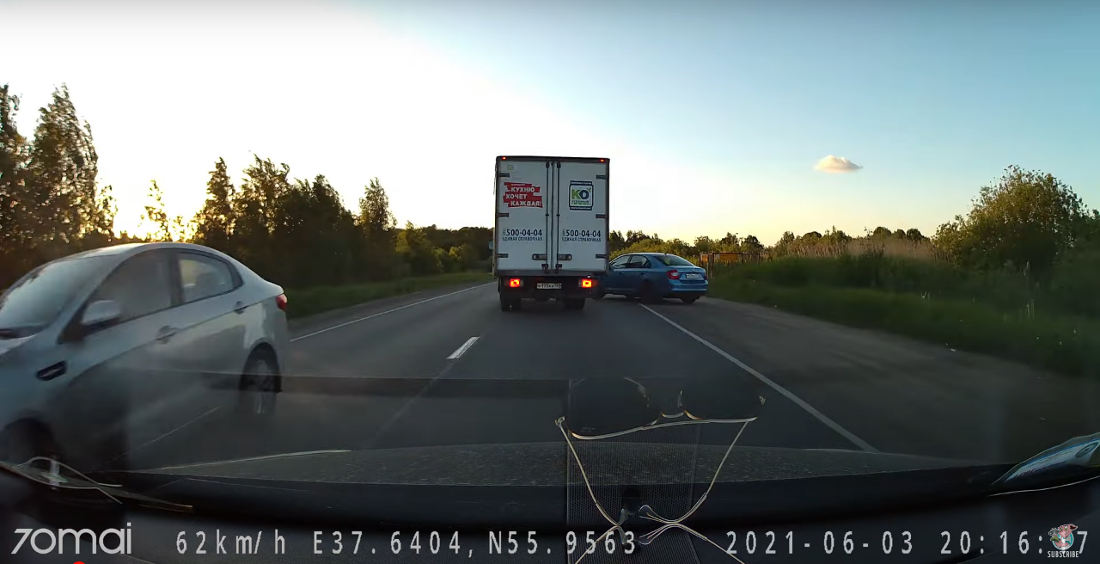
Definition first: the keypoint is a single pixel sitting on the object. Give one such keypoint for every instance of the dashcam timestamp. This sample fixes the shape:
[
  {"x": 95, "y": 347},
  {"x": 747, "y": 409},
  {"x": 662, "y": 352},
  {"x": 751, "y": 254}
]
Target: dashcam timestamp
[{"x": 904, "y": 542}]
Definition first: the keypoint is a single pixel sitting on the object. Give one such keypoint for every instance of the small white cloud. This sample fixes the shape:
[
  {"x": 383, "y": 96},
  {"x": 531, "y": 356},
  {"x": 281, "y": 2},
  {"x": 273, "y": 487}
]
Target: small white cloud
[{"x": 833, "y": 163}]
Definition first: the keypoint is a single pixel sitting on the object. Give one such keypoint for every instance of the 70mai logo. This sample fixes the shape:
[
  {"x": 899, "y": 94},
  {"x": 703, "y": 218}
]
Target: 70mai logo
[{"x": 49, "y": 541}]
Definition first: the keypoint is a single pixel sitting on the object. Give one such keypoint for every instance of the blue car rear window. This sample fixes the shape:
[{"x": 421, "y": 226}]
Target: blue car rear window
[{"x": 672, "y": 260}]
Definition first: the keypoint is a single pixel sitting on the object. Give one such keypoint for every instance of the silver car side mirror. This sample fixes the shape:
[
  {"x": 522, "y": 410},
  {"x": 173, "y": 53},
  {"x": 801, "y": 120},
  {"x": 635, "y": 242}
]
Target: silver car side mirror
[{"x": 100, "y": 312}]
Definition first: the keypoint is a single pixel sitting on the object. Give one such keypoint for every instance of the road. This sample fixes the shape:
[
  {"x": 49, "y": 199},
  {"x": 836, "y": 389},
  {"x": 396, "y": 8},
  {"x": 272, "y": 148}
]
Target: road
[{"x": 448, "y": 367}]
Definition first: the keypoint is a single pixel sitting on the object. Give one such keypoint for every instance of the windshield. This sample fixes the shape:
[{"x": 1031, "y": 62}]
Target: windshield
[
  {"x": 359, "y": 243},
  {"x": 35, "y": 300},
  {"x": 672, "y": 260}
]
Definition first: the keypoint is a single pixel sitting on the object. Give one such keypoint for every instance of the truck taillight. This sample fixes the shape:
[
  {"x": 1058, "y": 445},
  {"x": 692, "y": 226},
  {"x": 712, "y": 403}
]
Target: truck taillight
[
  {"x": 280, "y": 301},
  {"x": 674, "y": 274},
  {"x": 587, "y": 282},
  {"x": 515, "y": 282}
]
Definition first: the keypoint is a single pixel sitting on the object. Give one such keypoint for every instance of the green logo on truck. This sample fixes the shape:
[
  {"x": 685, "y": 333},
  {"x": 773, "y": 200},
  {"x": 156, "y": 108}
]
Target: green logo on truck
[{"x": 580, "y": 195}]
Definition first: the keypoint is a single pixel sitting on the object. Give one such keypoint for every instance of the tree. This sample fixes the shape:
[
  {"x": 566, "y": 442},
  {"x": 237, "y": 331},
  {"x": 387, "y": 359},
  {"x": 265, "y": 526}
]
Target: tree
[
  {"x": 731, "y": 243},
  {"x": 881, "y": 232},
  {"x": 417, "y": 251},
  {"x": 13, "y": 159},
  {"x": 750, "y": 244},
  {"x": 835, "y": 235},
  {"x": 377, "y": 225},
  {"x": 914, "y": 234},
  {"x": 616, "y": 241},
  {"x": 633, "y": 237},
  {"x": 265, "y": 182},
  {"x": 374, "y": 209},
  {"x": 899, "y": 234},
  {"x": 463, "y": 257},
  {"x": 63, "y": 201},
  {"x": 1025, "y": 221},
  {"x": 315, "y": 235},
  {"x": 704, "y": 244},
  {"x": 214, "y": 222},
  {"x": 165, "y": 228},
  {"x": 478, "y": 238},
  {"x": 254, "y": 210},
  {"x": 677, "y": 247},
  {"x": 785, "y": 245},
  {"x": 50, "y": 204}
]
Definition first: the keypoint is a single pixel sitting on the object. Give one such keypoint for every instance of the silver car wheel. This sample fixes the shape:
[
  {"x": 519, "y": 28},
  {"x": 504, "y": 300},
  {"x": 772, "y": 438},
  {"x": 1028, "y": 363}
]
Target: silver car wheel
[{"x": 258, "y": 387}]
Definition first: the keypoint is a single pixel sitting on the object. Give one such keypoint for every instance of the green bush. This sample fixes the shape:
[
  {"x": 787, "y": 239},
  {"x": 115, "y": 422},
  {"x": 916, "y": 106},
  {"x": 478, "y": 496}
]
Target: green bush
[
  {"x": 1027, "y": 220},
  {"x": 1075, "y": 283}
]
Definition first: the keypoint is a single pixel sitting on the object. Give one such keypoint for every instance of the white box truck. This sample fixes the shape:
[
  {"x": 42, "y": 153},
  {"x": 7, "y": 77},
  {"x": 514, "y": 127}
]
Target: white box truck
[{"x": 550, "y": 234}]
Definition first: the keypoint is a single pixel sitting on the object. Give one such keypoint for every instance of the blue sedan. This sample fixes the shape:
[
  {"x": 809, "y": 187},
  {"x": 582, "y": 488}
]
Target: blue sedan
[{"x": 652, "y": 276}]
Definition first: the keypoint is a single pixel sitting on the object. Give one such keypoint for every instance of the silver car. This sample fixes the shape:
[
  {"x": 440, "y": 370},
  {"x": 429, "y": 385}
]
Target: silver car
[{"x": 104, "y": 351}]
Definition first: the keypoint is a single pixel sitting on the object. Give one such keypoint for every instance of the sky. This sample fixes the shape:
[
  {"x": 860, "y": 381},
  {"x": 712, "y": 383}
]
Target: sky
[{"x": 743, "y": 117}]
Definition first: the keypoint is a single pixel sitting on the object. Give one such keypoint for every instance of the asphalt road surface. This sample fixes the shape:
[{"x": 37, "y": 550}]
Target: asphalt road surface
[{"x": 448, "y": 367}]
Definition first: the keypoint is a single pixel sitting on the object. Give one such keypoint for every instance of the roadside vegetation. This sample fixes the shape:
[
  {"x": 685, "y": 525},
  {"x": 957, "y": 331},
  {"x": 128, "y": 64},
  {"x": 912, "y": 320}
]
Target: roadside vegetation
[
  {"x": 293, "y": 231},
  {"x": 1017, "y": 277}
]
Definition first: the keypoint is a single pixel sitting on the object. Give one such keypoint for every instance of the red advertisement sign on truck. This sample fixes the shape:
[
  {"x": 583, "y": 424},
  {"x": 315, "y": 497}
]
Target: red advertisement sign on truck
[{"x": 522, "y": 195}]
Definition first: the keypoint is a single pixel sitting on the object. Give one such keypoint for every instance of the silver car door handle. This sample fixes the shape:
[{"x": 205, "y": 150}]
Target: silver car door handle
[
  {"x": 165, "y": 333},
  {"x": 239, "y": 307}
]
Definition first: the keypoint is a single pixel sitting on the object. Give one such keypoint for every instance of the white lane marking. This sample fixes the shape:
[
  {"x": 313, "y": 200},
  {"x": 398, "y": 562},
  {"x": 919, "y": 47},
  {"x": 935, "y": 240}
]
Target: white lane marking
[
  {"x": 381, "y": 313},
  {"x": 465, "y": 347},
  {"x": 783, "y": 391}
]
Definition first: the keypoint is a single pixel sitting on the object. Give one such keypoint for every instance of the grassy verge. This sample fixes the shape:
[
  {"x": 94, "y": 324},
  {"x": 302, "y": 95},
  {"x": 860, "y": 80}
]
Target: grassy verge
[
  {"x": 1058, "y": 341},
  {"x": 308, "y": 301}
]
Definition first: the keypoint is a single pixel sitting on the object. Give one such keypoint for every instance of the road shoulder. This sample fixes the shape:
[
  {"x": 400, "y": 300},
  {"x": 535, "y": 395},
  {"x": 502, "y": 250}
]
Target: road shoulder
[{"x": 900, "y": 394}]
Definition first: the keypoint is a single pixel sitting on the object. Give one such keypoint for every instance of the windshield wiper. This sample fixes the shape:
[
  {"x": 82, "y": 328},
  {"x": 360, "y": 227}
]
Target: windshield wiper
[
  {"x": 1074, "y": 461},
  {"x": 49, "y": 472}
]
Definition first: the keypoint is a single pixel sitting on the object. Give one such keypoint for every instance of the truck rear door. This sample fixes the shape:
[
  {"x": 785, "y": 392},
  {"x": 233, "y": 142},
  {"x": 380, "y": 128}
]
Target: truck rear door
[
  {"x": 522, "y": 209},
  {"x": 579, "y": 218}
]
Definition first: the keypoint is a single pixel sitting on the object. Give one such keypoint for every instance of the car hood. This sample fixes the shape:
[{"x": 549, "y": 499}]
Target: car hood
[{"x": 542, "y": 464}]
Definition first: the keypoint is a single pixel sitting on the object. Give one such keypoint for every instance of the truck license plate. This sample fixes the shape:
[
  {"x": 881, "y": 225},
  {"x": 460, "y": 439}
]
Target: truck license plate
[{"x": 548, "y": 286}]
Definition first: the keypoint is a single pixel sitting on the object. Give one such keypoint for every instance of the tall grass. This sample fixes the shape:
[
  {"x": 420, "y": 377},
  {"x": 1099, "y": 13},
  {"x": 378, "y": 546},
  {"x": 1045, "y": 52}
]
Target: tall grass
[
  {"x": 875, "y": 270},
  {"x": 1049, "y": 323},
  {"x": 1062, "y": 342},
  {"x": 888, "y": 246},
  {"x": 892, "y": 247}
]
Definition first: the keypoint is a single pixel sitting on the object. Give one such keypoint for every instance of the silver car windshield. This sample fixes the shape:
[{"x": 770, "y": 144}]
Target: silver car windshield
[{"x": 35, "y": 300}]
